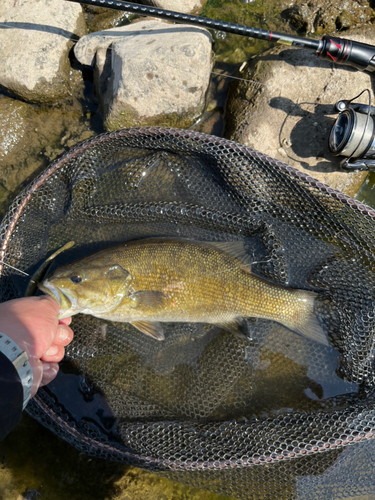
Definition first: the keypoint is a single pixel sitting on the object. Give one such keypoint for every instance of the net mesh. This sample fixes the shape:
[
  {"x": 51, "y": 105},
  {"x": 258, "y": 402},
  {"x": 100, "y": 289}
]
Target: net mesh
[{"x": 269, "y": 414}]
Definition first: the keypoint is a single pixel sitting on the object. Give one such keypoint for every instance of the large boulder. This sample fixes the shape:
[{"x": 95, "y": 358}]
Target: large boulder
[
  {"x": 186, "y": 6},
  {"x": 149, "y": 73},
  {"x": 35, "y": 38},
  {"x": 285, "y": 109}
]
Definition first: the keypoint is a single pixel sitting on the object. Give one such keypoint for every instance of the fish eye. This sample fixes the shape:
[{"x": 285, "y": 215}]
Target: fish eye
[{"x": 76, "y": 279}]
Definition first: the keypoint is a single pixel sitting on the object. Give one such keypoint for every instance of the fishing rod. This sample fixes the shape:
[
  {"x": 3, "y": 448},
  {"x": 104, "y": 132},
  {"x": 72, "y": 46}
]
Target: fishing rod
[
  {"x": 353, "y": 133},
  {"x": 338, "y": 50}
]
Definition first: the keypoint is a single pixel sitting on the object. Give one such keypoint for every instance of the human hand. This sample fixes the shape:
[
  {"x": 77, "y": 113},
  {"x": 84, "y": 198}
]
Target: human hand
[{"x": 32, "y": 323}]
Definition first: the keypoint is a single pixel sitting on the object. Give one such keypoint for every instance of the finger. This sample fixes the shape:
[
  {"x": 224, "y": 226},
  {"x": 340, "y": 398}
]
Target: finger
[
  {"x": 43, "y": 299},
  {"x": 54, "y": 354},
  {"x": 65, "y": 321},
  {"x": 50, "y": 370},
  {"x": 64, "y": 335}
]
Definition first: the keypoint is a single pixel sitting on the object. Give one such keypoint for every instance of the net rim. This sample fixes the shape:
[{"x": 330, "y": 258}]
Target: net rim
[{"x": 93, "y": 446}]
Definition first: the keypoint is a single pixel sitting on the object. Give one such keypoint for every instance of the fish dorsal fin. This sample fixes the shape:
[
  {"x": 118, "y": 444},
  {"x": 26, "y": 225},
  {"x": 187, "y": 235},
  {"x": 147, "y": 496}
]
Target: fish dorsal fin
[
  {"x": 151, "y": 328},
  {"x": 234, "y": 248}
]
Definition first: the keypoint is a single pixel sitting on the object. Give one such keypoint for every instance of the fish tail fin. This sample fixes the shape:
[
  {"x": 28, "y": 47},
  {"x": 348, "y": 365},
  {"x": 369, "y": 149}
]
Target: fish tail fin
[{"x": 306, "y": 321}]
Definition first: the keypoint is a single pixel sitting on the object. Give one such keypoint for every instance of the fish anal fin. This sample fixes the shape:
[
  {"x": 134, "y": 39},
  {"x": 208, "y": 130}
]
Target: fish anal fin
[
  {"x": 151, "y": 328},
  {"x": 235, "y": 326}
]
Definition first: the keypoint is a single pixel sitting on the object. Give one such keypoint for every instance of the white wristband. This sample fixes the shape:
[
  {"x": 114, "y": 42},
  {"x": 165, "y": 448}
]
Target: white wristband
[{"x": 21, "y": 363}]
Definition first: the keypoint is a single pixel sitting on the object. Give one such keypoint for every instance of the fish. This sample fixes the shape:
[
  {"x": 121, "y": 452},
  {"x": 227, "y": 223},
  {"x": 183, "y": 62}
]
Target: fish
[{"x": 151, "y": 281}]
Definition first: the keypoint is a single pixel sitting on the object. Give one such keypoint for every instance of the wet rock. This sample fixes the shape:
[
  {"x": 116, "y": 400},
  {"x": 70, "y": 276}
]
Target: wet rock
[
  {"x": 32, "y": 136},
  {"x": 149, "y": 73},
  {"x": 320, "y": 17},
  {"x": 35, "y": 38},
  {"x": 99, "y": 18},
  {"x": 286, "y": 110}
]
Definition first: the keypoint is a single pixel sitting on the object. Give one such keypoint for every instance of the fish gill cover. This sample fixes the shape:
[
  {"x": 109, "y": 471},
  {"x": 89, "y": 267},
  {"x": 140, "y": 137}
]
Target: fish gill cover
[{"x": 264, "y": 413}]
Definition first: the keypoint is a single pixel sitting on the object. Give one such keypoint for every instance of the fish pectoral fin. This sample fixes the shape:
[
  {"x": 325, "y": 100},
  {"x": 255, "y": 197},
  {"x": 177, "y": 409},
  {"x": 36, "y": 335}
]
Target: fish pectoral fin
[
  {"x": 149, "y": 299},
  {"x": 151, "y": 328}
]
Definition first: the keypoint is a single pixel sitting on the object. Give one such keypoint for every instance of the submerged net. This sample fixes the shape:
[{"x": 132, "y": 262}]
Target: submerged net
[{"x": 269, "y": 414}]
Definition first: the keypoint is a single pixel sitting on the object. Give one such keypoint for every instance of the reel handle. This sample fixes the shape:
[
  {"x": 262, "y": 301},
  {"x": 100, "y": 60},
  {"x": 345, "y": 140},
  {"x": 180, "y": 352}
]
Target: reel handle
[
  {"x": 342, "y": 51},
  {"x": 358, "y": 165}
]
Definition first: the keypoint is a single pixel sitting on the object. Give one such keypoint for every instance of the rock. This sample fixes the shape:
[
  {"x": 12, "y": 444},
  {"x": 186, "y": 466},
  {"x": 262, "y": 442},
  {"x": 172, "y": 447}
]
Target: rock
[
  {"x": 320, "y": 17},
  {"x": 186, "y": 6},
  {"x": 32, "y": 136},
  {"x": 287, "y": 109},
  {"x": 99, "y": 18},
  {"x": 35, "y": 40},
  {"x": 149, "y": 73}
]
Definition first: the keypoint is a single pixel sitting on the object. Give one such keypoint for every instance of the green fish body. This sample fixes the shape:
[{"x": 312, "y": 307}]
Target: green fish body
[{"x": 152, "y": 281}]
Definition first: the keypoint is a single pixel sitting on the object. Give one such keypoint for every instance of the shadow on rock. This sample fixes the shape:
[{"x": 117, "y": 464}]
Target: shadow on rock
[
  {"x": 317, "y": 123},
  {"x": 40, "y": 27}
]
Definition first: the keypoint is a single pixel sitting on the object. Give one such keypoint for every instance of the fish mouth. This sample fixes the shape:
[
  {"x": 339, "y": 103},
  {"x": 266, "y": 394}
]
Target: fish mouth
[{"x": 67, "y": 301}]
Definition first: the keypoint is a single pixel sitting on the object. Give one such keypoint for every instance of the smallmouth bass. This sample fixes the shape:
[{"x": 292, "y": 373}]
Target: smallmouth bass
[{"x": 156, "y": 280}]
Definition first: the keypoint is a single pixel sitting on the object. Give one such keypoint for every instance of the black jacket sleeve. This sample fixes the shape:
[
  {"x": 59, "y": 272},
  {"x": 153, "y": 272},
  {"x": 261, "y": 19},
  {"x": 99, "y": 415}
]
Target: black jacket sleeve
[{"x": 11, "y": 396}]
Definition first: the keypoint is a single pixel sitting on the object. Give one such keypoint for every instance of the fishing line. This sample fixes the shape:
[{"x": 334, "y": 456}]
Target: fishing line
[
  {"x": 68, "y": 245},
  {"x": 12, "y": 267},
  {"x": 238, "y": 78}
]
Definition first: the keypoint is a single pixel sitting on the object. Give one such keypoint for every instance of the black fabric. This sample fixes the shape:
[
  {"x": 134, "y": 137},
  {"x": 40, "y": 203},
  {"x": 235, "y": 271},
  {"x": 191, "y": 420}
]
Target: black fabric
[{"x": 11, "y": 396}]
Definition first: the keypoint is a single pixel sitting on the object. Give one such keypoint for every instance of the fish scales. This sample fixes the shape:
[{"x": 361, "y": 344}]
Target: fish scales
[
  {"x": 152, "y": 281},
  {"x": 201, "y": 283}
]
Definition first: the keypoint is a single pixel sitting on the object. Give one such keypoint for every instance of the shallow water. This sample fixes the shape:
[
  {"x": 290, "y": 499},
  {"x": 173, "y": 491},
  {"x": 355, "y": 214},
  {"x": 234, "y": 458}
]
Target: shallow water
[
  {"x": 366, "y": 194},
  {"x": 34, "y": 462}
]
